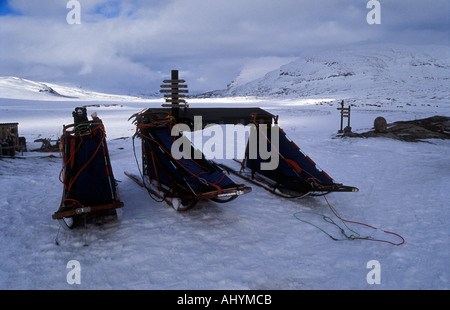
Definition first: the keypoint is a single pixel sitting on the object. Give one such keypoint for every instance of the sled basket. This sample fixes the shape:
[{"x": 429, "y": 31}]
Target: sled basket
[
  {"x": 296, "y": 174},
  {"x": 189, "y": 178},
  {"x": 87, "y": 176}
]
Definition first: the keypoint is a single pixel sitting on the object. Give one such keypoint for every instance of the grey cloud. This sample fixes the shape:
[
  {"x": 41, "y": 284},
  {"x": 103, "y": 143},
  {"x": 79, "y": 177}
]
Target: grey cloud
[{"x": 137, "y": 42}]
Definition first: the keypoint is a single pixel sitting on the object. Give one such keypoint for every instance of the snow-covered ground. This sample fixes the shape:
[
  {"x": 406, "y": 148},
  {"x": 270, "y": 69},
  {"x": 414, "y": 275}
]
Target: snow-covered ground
[{"x": 258, "y": 241}]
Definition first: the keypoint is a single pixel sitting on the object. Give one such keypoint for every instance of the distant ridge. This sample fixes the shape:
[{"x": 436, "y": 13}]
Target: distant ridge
[
  {"x": 20, "y": 88},
  {"x": 405, "y": 74}
]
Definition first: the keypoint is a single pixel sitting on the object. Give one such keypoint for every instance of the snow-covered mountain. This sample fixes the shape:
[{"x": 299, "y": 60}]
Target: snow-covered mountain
[
  {"x": 375, "y": 75},
  {"x": 20, "y": 88}
]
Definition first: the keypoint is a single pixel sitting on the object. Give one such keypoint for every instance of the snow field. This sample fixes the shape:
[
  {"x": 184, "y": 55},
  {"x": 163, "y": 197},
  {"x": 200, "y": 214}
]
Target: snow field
[{"x": 253, "y": 242}]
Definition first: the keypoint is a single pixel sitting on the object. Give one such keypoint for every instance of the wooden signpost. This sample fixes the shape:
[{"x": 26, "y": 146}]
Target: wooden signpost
[
  {"x": 345, "y": 112},
  {"x": 174, "y": 91}
]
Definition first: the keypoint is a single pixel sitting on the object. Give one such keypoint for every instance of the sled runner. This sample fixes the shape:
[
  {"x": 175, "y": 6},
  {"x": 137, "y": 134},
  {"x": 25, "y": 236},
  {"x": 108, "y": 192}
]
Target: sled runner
[
  {"x": 87, "y": 176},
  {"x": 180, "y": 182}
]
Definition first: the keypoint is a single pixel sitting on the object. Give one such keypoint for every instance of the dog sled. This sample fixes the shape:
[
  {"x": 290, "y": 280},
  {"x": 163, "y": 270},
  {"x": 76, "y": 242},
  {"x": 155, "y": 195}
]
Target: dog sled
[
  {"x": 180, "y": 182},
  {"x": 296, "y": 175},
  {"x": 87, "y": 176}
]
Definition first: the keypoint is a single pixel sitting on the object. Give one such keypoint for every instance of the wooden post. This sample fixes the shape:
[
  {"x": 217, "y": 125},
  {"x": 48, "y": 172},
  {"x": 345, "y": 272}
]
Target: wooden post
[
  {"x": 348, "y": 117},
  {"x": 345, "y": 112},
  {"x": 174, "y": 78}
]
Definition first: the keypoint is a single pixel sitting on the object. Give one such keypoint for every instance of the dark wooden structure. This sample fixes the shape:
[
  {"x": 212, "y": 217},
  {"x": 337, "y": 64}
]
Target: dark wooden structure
[{"x": 9, "y": 139}]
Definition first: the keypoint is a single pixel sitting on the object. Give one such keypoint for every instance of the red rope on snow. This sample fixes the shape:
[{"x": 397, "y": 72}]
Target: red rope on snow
[{"x": 367, "y": 225}]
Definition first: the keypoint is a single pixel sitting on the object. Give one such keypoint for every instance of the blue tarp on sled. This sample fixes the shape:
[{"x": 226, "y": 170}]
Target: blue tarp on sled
[
  {"x": 296, "y": 171},
  {"x": 187, "y": 178},
  {"x": 87, "y": 176}
]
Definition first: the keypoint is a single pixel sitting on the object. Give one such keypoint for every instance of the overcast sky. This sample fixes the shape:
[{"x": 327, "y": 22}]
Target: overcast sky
[{"x": 131, "y": 46}]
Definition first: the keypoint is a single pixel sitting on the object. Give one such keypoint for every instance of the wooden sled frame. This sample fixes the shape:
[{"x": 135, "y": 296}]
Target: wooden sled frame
[{"x": 179, "y": 201}]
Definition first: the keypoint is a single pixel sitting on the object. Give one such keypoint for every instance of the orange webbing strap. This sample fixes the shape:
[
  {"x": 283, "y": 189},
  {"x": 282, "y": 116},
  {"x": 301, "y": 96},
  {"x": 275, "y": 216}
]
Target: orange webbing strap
[
  {"x": 69, "y": 160},
  {"x": 219, "y": 189},
  {"x": 293, "y": 164}
]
